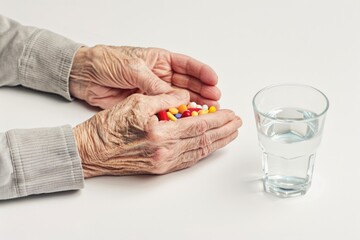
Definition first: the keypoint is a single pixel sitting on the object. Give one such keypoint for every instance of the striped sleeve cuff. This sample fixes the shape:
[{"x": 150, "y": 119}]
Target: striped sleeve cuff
[
  {"x": 44, "y": 160},
  {"x": 46, "y": 61}
]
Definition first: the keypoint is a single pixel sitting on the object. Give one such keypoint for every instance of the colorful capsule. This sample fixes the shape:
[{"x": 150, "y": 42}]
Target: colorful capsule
[
  {"x": 183, "y": 111},
  {"x": 202, "y": 112},
  {"x": 185, "y": 114},
  {"x": 212, "y": 109},
  {"x": 171, "y": 116},
  {"x": 182, "y": 108},
  {"x": 162, "y": 115},
  {"x": 173, "y": 111},
  {"x": 192, "y": 105},
  {"x": 194, "y": 109}
]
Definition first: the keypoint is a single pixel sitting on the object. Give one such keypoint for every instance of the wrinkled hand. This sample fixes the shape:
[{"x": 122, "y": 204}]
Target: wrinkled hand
[
  {"x": 129, "y": 139},
  {"x": 105, "y": 75}
]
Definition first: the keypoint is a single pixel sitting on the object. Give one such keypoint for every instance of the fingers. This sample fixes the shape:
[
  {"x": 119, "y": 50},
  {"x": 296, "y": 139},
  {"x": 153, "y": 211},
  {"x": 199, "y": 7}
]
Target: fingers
[
  {"x": 209, "y": 137},
  {"x": 151, "y": 84},
  {"x": 186, "y": 65},
  {"x": 196, "y": 126},
  {"x": 105, "y": 97},
  {"x": 195, "y": 85},
  {"x": 195, "y": 97},
  {"x": 190, "y": 139},
  {"x": 190, "y": 158},
  {"x": 165, "y": 101}
]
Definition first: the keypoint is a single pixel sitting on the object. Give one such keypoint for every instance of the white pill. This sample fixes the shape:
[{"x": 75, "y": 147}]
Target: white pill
[
  {"x": 199, "y": 106},
  {"x": 205, "y": 107},
  {"x": 192, "y": 105}
]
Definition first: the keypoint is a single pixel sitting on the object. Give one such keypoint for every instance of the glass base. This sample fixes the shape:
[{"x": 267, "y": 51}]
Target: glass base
[{"x": 284, "y": 186}]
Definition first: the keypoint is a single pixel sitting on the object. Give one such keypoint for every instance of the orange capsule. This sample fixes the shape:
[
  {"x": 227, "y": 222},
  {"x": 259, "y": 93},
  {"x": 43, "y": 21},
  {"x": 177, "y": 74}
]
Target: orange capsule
[{"x": 182, "y": 108}]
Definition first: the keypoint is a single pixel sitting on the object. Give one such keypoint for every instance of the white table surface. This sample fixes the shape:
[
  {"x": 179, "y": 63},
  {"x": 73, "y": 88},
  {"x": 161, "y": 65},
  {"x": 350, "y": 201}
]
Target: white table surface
[{"x": 250, "y": 44}]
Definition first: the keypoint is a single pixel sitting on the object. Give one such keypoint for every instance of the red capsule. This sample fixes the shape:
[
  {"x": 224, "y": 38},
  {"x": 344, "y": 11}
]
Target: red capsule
[
  {"x": 186, "y": 113},
  {"x": 194, "y": 109},
  {"x": 162, "y": 115}
]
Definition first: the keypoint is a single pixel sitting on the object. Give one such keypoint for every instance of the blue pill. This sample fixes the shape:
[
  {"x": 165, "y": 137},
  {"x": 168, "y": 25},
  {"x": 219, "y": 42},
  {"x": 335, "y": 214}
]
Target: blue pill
[{"x": 178, "y": 115}]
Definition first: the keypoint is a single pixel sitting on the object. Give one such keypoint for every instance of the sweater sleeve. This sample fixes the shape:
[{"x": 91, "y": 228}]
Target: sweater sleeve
[
  {"x": 35, "y": 161},
  {"x": 35, "y": 58}
]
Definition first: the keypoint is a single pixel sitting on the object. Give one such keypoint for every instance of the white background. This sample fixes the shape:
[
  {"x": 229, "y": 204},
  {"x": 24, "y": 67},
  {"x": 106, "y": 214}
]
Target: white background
[{"x": 250, "y": 44}]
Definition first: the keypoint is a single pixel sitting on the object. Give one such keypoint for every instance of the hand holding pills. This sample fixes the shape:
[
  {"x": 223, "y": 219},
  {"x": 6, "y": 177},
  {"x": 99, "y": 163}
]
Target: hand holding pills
[{"x": 129, "y": 139}]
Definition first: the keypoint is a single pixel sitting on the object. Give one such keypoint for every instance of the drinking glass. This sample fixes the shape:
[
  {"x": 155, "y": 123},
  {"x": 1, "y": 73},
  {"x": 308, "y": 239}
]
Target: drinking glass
[{"x": 290, "y": 120}]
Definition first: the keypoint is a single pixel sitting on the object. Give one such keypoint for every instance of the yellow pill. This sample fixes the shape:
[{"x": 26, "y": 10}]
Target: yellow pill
[
  {"x": 173, "y": 111},
  {"x": 194, "y": 114},
  {"x": 171, "y": 116},
  {"x": 182, "y": 108},
  {"x": 212, "y": 109},
  {"x": 202, "y": 112}
]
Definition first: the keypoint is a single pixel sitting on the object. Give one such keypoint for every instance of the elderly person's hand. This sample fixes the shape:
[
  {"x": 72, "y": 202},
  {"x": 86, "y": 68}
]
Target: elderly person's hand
[
  {"x": 129, "y": 139},
  {"x": 105, "y": 75}
]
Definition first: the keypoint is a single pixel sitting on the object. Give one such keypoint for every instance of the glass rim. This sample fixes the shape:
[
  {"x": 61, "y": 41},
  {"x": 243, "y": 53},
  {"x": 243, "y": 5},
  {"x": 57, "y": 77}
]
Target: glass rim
[{"x": 291, "y": 85}]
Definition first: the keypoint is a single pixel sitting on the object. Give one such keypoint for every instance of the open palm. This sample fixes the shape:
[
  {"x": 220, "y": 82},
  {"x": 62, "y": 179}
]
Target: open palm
[{"x": 105, "y": 75}]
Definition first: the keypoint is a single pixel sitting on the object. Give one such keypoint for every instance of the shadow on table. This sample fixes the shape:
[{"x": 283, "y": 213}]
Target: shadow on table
[
  {"x": 253, "y": 184},
  {"x": 40, "y": 197}
]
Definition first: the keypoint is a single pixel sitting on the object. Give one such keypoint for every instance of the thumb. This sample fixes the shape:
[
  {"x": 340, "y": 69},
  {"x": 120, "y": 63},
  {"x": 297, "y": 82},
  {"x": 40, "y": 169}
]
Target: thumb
[
  {"x": 165, "y": 101},
  {"x": 151, "y": 84}
]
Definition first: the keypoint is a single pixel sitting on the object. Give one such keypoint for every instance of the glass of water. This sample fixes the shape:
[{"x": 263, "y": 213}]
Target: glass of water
[{"x": 290, "y": 120}]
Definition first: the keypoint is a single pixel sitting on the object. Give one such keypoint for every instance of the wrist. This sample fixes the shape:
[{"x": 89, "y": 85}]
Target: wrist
[
  {"x": 79, "y": 78},
  {"x": 78, "y": 134}
]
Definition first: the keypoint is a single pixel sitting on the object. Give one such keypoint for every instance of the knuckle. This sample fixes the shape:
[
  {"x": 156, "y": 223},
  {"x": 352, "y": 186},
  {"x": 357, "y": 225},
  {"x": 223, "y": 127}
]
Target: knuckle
[
  {"x": 205, "y": 151},
  {"x": 159, "y": 156},
  {"x": 98, "y": 50},
  {"x": 159, "y": 161},
  {"x": 137, "y": 100},
  {"x": 99, "y": 46},
  {"x": 92, "y": 100},
  {"x": 204, "y": 140},
  {"x": 201, "y": 126},
  {"x": 135, "y": 64},
  {"x": 162, "y": 53},
  {"x": 133, "y": 51},
  {"x": 155, "y": 136}
]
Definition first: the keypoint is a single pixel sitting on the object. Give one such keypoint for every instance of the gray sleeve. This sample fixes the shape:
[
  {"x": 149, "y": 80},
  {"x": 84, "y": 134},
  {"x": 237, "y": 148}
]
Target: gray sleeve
[
  {"x": 35, "y": 58},
  {"x": 36, "y": 161}
]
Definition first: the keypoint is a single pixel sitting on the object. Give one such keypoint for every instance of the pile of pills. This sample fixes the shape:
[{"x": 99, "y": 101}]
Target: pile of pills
[{"x": 192, "y": 109}]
